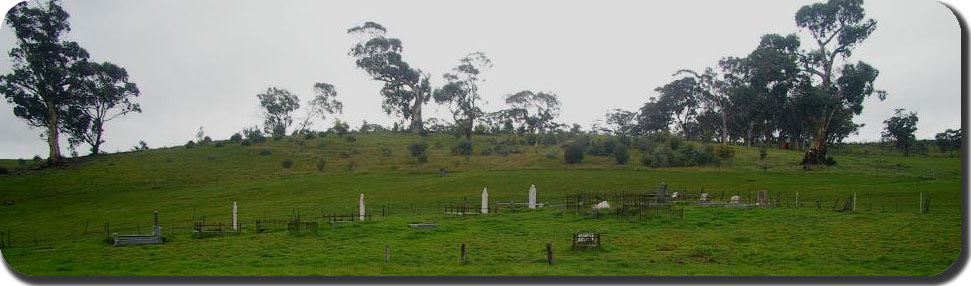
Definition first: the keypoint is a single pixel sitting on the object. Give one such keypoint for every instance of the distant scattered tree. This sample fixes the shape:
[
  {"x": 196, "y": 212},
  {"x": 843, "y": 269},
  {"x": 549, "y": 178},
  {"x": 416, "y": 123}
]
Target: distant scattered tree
[
  {"x": 46, "y": 70},
  {"x": 837, "y": 26},
  {"x": 461, "y": 91},
  {"x": 405, "y": 89},
  {"x": 278, "y": 106},
  {"x": 341, "y": 128},
  {"x": 900, "y": 130},
  {"x": 622, "y": 121},
  {"x": 680, "y": 99},
  {"x": 949, "y": 140},
  {"x": 711, "y": 91},
  {"x": 142, "y": 146},
  {"x": 200, "y": 134},
  {"x": 105, "y": 94},
  {"x": 534, "y": 111},
  {"x": 324, "y": 103},
  {"x": 653, "y": 117}
]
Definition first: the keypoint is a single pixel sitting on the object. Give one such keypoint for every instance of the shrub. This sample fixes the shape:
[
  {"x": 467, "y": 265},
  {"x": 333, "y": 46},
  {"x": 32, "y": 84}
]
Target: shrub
[
  {"x": 205, "y": 141},
  {"x": 724, "y": 152},
  {"x": 573, "y": 152},
  {"x": 219, "y": 144},
  {"x": 3, "y": 170},
  {"x": 36, "y": 159},
  {"x": 320, "y": 164},
  {"x": 530, "y": 139},
  {"x": 602, "y": 146},
  {"x": 621, "y": 154},
  {"x": 763, "y": 152},
  {"x": 350, "y": 138},
  {"x": 675, "y": 142},
  {"x": 22, "y": 162},
  {"x": 265, "y": 152},
  {"x": 550, "y": 154},
  {"x": 236, "y": 137},
  {"x": 830, "y": 161},
  {"x": 309, "y": 135},
  {"x": 463, "y": 148},
  {"x": 287, "y": 163},
  {"x": 245, "y": 142},
  {"x": 190, "y": 144},
  {"x": 417, "y": 150}
]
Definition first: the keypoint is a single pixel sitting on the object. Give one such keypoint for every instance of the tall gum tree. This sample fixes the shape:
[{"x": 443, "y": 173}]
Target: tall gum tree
[
  {"x": 46, "y": 70},
  {"x": 461, "y": 91},
  {"x": 405, "y": 89},
  {"x": 837, "y": 26}
]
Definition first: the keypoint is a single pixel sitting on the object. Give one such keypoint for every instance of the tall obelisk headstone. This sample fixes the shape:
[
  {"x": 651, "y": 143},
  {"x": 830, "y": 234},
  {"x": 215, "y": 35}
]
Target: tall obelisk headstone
[
  {"x": 235, "y": 217},
  {"x": 532, "y": 197},
  {"x": 485, "y": 200},
  {"x": 361, "y": 208}
]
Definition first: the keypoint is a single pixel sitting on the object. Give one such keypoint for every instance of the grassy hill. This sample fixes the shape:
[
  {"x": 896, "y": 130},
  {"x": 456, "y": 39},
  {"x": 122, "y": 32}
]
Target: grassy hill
[{"x": 66, "y": 209}]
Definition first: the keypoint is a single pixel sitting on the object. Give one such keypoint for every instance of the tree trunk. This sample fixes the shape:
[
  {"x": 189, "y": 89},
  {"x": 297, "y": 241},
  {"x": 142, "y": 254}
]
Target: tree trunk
[
  {"x": 96, "y": 145},
  {"x": 816, "y": 154},
  {"x": 416, "y": 123},
  {"x": 724, "y": 128},
  {"x": 53, "y": 142}
]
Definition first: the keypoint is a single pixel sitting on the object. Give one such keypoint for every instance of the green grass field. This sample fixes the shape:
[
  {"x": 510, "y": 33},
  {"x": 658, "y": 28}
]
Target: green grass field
[{"x": 65, "y": 209}]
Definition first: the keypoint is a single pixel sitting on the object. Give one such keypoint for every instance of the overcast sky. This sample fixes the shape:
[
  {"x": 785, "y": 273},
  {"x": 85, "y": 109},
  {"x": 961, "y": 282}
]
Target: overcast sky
[{"x": 201, "y": 63}]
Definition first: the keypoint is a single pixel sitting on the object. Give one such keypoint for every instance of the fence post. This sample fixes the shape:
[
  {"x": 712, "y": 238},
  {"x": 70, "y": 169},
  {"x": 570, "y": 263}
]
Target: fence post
[
  {"x": 387, "y": 253},
  {"x": 463, "y": 253},
  {"x": 549, "y": 253}
]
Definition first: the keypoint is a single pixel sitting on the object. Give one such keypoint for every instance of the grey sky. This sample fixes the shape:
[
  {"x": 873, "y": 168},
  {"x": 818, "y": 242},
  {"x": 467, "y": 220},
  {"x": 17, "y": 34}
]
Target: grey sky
[{"x": 201, "y": 63}]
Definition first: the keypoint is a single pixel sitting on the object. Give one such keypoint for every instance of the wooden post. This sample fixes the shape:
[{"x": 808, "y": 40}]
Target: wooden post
[
  {"x": 138, "y": 229},
  {"x": 797, "y": 199},
  {"x": 463, "y": 253},
  {"x": 854, "y": 202},
  {"x": 387, "y": 253},
  {"x": 549, "y": 253},
  {"x": 920, "y": 202}
]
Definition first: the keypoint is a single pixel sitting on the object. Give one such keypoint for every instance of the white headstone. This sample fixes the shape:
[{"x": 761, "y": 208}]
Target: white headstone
[
  {"x": 485, "y": 200},
  {"x": 704, "y": 197},
  {"x": 360, "y": 208},
  {"x": 532, "y": 196},
  {"x": 734, "y": 200},
  {"x": 235, "y": 218},
  {"x": 602, "y": 205}
]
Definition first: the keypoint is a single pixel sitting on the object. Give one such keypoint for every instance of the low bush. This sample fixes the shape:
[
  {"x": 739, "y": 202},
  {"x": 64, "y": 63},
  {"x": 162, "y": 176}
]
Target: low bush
[
  {"x": 190, "y": 144},
  {"x": 236, "y": 138},
  {"x": 320, "y": 164},
  {"x": 287, "y": 163},
  {"x": 350, "y": 138},
  {"x": 245, "y": 142},
  {"x": 573, "y": 152},
  {"x": 265, "y": 152},
  {"x": 621, "y": 154},
  {"x": 4, "y": 171},
  {"x": 463, "y": 148},
  {"x": 219, "y": 144}
]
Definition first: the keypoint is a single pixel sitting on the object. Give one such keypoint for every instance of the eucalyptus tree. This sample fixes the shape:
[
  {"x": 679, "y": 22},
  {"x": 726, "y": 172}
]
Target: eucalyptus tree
[
  {"x": 713, "y": 94},
  {"x": 323, "y": 104},
  {"x": 405, "y": 89},
  {"x": 900, "y": 129},
  {"x": 837, "y": 27},
  {"x": 680, "y": 99},
  {"x": 46, "y": 70},
  {"x": 622, "y": 121},
  {"x": 535, "y": 111},
  {"x": 652, "y": 118},
  {"x": 278, "y": 107},
  {"x": 105, "y": 94},
  {"x": 461, "y": 91}
]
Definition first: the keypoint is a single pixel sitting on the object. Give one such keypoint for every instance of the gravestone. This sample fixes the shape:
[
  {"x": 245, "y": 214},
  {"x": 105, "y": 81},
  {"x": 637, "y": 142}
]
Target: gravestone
[
  {"x": 235, "y": 218},
  {"x": 360, "y": 208},
  {"x": 762, "y": 198},
  {"x": 675, "y": 196},
  {"x": 532, "y": 197},
  {"x": 704, "y": 197},
  {"x": 602, "y": 205},
  {"x": 585, "y": 241},
  {"x": 734, "y": 200},
  {"x": 485, "y": 200},
  {"x": 662, "y": 193}
]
